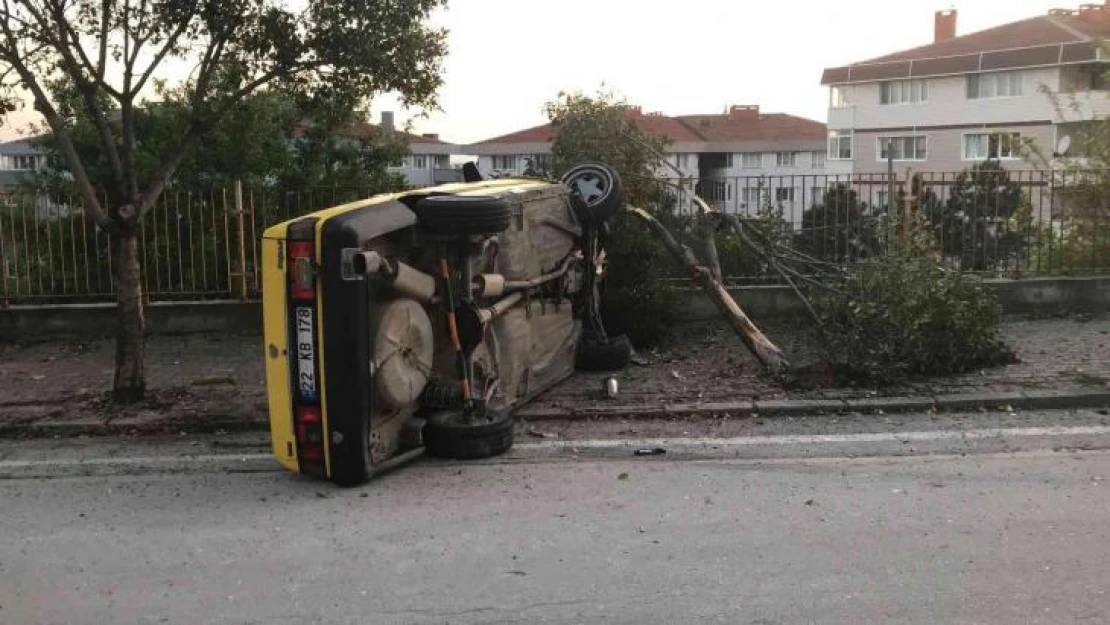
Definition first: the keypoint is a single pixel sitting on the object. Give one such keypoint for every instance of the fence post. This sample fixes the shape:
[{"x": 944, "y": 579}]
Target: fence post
[
  {"x": 239, "y": 213},
  {"x": 907, "y": 206},
  {"x": 3, "y": 269}
]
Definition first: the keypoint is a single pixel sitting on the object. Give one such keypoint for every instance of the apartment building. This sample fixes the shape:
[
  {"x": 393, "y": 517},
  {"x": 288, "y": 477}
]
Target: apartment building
[
  {"x": 18, "y": 160},
  {"x": 428, "y": 162},
  {"x": 965, "y": 98},
  {"x": 743, "y": 158}
]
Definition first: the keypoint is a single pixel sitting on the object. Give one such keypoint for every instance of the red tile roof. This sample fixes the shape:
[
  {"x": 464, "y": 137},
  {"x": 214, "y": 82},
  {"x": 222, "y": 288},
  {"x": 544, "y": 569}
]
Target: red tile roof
[
  {"x": 364, "y": 130},
  {"x": 536, "y": 134},
  {"x": 1044, "y": 40},
  {"x": 765, "y": 127},
  {"x": 696, "y": 128},
  {"x": 1032, "y": 32}
]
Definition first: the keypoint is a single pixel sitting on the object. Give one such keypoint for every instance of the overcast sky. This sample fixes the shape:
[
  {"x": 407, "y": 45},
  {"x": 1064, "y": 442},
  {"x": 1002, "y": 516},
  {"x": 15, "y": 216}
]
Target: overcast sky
[{"x": 508, "y": 57}]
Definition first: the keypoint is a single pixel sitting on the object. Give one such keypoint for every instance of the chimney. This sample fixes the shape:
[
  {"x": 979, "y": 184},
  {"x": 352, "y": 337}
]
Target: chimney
[
  {"x": 945, "y": 26},
  {"x": 1094, "y": 13},
  {"x": 633, "y": 111},
  {"x": 387, "y": 121},
  {"x": 749, "y": 112}
]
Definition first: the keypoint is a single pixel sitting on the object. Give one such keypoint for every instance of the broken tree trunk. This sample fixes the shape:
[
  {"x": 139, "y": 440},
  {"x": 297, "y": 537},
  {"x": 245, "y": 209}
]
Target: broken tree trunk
[{"x": 760, "y": 346}]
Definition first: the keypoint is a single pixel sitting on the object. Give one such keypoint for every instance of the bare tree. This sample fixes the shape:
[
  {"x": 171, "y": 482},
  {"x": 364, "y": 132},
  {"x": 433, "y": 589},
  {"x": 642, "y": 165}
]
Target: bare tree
[{"x": 113, "y": 52}]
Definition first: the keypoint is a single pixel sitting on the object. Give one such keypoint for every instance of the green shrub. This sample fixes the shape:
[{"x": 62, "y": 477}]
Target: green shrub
[
  {"x": 639, "y": 295},
  {"x": 898, "y": 315}
]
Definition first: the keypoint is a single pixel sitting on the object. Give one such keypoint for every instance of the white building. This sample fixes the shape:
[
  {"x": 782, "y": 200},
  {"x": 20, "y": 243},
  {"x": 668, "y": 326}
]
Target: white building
[
  {"x": 963, "y": 99},
  {"x": 743, "y": 159},
  {"x": 429, "y": 160},
  {"x": 18, "y": 159}
]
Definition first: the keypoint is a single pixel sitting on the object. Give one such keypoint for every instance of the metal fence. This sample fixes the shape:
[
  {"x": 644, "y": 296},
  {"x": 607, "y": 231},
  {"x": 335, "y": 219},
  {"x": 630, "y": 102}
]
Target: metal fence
[
  {"x": 989, "y": 221},
  {"x": 193, "y": 246},
  {"x": 205, "y": 245}
]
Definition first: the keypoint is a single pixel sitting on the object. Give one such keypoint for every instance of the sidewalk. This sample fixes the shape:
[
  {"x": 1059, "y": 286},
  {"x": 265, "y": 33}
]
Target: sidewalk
[{"x": 217, "y": 382}]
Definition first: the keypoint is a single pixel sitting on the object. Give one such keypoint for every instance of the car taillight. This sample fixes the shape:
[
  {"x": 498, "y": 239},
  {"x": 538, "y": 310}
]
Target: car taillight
[
  {"x": 308, "y": 424},
  {"x": 310, "y": 434},
  {"x": 302, "y": 270}
]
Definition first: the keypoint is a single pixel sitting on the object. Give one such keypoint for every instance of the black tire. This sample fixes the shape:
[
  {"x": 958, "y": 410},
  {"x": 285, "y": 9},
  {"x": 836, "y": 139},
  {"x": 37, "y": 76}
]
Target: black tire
[
  {"x": 470, "y": 172},
  {"x": 463, "y": 214},
  {"x": 596, "y": 191},
  {"x": 603, "y": 356},
  {"x": 448, "y": 434}
]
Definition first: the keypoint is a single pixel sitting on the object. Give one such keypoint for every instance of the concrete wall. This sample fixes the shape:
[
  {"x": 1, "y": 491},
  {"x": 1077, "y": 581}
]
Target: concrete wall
[
  {"x": 87, "y": 322},
  {"x": 96, "y": 321},
  {"x": 1016, "y": 297}
]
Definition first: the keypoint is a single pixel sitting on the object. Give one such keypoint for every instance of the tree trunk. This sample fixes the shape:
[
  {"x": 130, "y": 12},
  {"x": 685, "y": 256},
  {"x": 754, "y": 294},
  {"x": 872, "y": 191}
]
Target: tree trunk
[
  {"x": 129, "y": 383},
  {"x": 753, "y": 338}
]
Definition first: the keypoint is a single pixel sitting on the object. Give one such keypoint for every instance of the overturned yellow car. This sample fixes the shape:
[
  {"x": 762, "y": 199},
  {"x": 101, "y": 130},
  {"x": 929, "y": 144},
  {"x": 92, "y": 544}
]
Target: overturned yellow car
[{"x": 419, "y": 321}]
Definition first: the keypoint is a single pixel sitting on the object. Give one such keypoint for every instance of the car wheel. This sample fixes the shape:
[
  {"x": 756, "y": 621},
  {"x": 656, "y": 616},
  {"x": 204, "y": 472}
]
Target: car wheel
[
  {"x": 463, "y": 214},
  {"x": 596, "y": 191},
  {"x": 449, "y": 434},
  {"x": 603, "y": 355}
]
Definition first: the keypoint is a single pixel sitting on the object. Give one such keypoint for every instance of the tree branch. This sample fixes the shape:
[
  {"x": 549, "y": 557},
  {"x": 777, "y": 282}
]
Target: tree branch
[
  {"x": 87, "y": 90},
  {"x": 96, "y": 71},
  {"x": 166, "y": 49},
  {"x": 91, "y": 203},
  {"x": 102, "y": 55},
  {"x": 205, "y": 71}
]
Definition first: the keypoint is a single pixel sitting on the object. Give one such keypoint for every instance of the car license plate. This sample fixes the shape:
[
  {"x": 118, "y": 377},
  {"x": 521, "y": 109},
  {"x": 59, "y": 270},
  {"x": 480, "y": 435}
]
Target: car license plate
[{"x": 306, "y": 353}]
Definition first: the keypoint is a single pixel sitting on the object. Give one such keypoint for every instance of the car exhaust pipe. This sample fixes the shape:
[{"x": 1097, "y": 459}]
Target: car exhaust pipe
[{"x": 403, "y": 278}]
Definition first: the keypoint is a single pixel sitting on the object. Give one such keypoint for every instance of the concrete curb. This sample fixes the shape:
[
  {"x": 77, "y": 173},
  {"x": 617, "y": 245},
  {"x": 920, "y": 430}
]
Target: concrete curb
[
  {"x": 72, "y": 429},
  {"x": 1029, "y": 400}
]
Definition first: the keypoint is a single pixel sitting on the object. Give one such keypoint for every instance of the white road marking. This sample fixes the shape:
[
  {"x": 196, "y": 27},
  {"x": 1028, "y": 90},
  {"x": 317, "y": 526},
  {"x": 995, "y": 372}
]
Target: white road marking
[
  {"x": 245, "y": 459},
  {"x": 266, "y": 462},
  {"x": 821, "y": 439}
]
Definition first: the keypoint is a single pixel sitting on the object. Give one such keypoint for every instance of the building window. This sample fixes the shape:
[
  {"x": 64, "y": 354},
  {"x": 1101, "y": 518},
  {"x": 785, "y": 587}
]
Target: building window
[
  {"x": 838, "y": 97},
  {"x": 786, "y": 159},
  {"x": 908, "y": 148},
  {"x": 420, "y": 161},
  {"x": 397, "y": 164},
  {"x": 840, "y": 145},
  {"x": 719, "y": 191},
  {"x": 442, "y": 161},
  {"x": 992, "y": 145},
  {"x": 818, "y": 160},
  {"x": 504, "y": 162},
  {"x": 539, "y": 163},
  {"x": 751, "y": 196},
  {"x": 751, "y": 160},
  {"x": 994, "y": 85},
  {"x": 784, "y": 194},
  {"x": 20, "y": 162},
  {"x": 681, "y": 160},
  {"x": 729, "y": 160},
  {"x": 904, "y": 92}
]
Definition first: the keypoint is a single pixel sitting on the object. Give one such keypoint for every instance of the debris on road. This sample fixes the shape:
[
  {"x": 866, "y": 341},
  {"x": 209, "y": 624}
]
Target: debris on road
[{"x": 534, "y": 433}]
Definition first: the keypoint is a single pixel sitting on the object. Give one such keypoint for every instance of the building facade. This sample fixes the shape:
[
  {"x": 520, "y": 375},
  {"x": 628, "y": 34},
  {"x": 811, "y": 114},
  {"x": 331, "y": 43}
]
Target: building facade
[
  {"x": 742, "y": 160},
  {"x": 18, "y": 160},
  {"x": 1014, "y": 93}
]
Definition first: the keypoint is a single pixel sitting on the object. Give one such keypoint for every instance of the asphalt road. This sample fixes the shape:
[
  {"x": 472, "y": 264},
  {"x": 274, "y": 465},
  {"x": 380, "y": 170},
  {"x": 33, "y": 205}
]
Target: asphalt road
[{"x": 989, "y": 538}]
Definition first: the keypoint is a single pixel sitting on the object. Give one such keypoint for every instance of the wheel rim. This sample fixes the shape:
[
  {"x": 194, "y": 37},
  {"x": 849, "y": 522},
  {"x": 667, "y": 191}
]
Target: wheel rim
[{"x": 591, "y": 185}]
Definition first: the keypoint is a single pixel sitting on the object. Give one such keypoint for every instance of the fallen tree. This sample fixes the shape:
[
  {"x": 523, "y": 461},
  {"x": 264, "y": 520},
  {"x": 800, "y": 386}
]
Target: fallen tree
[{"x": 753, "y": 338}]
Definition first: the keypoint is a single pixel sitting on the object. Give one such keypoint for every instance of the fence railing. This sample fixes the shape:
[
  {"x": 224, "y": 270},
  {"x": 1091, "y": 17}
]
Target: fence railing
[
  {"x": 989, "y": 220},
  {"x": 205, "y": 245},
  {"x": 193, "y": 246}
]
